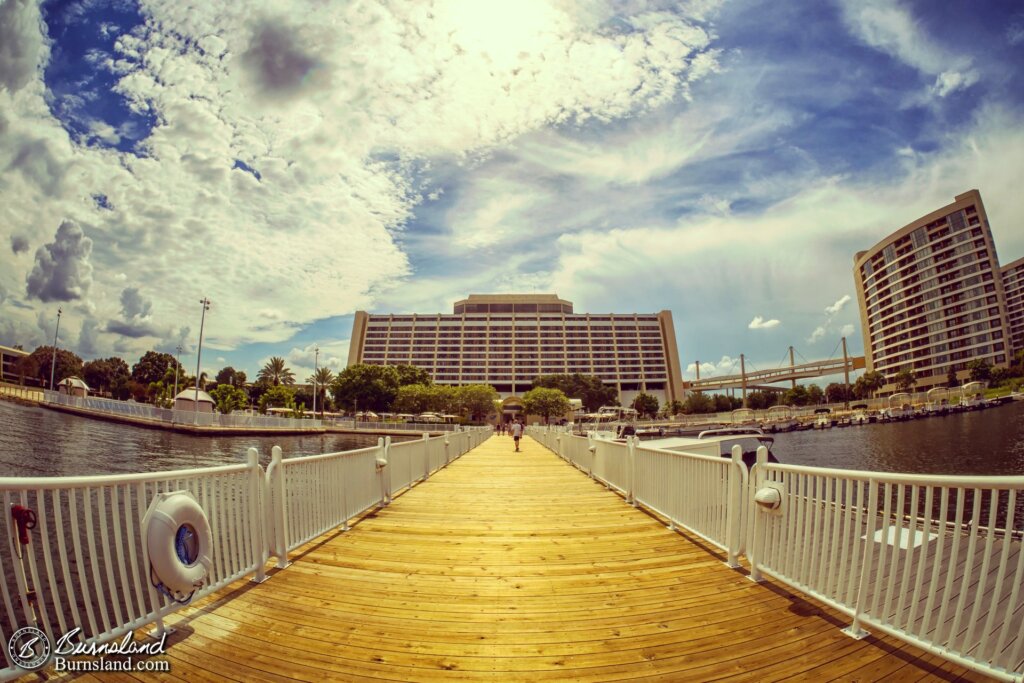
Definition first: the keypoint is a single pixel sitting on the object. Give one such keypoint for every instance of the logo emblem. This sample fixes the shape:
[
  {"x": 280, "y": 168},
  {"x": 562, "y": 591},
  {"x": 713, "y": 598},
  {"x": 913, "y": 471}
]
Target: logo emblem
[{"x": 29, "y": 648}]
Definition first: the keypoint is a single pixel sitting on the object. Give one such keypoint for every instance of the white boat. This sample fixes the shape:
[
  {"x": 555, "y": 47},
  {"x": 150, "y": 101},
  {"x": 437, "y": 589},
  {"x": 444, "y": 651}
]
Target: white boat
[
  {"x": 899, "y": 407},
  {"x": 718, "y": 442},
  {"x": 823, "y": 419},
  {"x": 972, "y": 396},
  {"x": 779, "y": 419}
]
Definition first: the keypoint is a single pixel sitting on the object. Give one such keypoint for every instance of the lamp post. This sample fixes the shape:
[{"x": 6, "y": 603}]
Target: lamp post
[
  {"x": 53, "y": 361},
  {"x": 316, "y": 358},
  {"x": 177, "y": 364},
  {"x": 199, "y": 358}
]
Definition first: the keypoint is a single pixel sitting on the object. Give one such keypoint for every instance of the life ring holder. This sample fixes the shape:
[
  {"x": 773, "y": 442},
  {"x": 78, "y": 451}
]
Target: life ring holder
[{"x": 179, "y": 545}]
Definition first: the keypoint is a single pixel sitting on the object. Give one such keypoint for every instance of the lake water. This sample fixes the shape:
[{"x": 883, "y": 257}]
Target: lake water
[{"x": 39, "y": 442}]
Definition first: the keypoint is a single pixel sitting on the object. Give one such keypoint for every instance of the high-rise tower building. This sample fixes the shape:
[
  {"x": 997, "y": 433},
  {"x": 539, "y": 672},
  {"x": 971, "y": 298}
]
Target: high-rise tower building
[
  {"x": 931, "y": 297},
  {"x": 506, "y": 340},
  {"x": 1013, "y": 285}
]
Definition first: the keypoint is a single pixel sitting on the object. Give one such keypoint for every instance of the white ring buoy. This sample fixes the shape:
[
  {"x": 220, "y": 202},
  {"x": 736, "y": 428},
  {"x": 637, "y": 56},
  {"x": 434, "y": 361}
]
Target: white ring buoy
[{"x": 179, "y": 542}]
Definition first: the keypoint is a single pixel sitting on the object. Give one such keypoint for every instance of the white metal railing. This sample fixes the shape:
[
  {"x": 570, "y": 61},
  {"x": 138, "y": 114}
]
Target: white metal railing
[
  {"x": 183, "y": 417},
  {"x": 381, "y": 426},
  {"x": 86, "y": 562},
  {"x": 27, "y": 393},
  {"x": 934, "y": 560},
  {"x": 308, "y": 496}
]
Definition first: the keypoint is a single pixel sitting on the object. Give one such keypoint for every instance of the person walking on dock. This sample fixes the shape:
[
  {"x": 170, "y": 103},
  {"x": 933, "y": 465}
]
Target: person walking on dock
[{"x": 516, "y": 430}]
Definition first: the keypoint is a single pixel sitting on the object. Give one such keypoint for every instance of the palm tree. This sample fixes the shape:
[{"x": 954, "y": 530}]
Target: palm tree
[
  {"x": 322, "y": 378},
  {"x": 276, "y": 373}
]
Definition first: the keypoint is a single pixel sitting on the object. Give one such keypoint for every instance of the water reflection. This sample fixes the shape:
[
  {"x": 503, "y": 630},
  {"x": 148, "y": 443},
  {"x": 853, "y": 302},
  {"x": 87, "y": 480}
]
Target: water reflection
[{"x": 37, "y": 442}]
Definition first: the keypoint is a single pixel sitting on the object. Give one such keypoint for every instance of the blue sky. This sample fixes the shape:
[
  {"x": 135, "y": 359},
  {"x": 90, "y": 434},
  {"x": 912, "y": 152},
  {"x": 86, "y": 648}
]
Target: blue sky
[{"x": 296, "y": 163}]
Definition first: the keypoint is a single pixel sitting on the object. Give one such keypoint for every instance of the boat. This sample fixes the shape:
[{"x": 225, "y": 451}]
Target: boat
[
  {"x": 937, "y": 402},
  {"x": 719, "y": 442},
  {"x": 972, "y": 396},
  {"x": 742, "y": 416},
  {"x": 779, "y": 419},
  {"x": 823, "y": 419},
  {"x": 899, "y": 407},
  {"x": 861, "y": 416}
]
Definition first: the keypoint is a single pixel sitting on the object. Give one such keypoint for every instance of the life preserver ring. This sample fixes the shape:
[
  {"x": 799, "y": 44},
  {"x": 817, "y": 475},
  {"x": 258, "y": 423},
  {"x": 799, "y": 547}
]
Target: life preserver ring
[{"x": 179, "y": 543}]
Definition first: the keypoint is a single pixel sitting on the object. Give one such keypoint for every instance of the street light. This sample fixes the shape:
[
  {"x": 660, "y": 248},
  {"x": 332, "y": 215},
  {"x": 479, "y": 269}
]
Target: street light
[
  {"x": 316, "y": 357},
  {"x": 53, "y": 361},
  {"x": 199, "y": 358},
  {"x": 177, "y": 364}
]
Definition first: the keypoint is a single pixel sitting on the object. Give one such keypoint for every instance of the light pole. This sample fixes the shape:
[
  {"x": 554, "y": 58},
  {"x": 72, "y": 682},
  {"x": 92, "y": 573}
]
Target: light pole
[
  {"x": 53, "y": 361},
  {"x": 316, "y": 358},
  {"x": 177, "y": 364},
  {"x": 199, "y": 358}
]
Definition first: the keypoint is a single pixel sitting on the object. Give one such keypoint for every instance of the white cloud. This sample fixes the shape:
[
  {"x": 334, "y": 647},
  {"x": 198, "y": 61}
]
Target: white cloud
[
  {"x": 331, "y": 107},
  {"x": 889, "y": 26},
  {"x": 838, "y": 305},
  {"x": 759, "y": 323},
  {"x": 847, "y": 330},
  {"x": 727, "y": 365},
  {"x": 819, "y": 332}
]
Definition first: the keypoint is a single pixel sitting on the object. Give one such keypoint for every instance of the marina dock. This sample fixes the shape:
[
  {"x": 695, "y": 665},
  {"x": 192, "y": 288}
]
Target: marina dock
[{"x": 517, "y": 567}]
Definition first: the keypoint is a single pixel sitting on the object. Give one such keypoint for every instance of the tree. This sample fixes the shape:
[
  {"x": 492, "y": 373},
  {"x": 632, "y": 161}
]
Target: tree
[
  {"x": 477, "y": 400},
  {"x": 412, "y": 398},
  {"x": 645, "y": 405},
  {"x": 951, "y": 380},
  {"x": 814, "y": 394},
  {"x": 278, "y": 396},
  {"x": 103, "y": 373},
  {"x": 905, "y": 378},
  {"x": 997, "y": 376},
  {"x": 591, "y": 391},
  {"x": 672, "y": 408},
  {"x": 38, "y": 363},
  {"x": 837, "y": 393},
  {"x": 275, "y": 372},
  {"x": 228, "y": 398},
  {"x": 230, "y": 376},
  {"x": 697, "y": 403},
  {"x": 980, "y": 370},
  {"x": 153, "y": 366},
  {"x": 797, "y": 396},
  {"x": 322, "y": 378},
  {"x": 724, "y": 404},
  {"x": 873, "y": 381},
  {"x": 410, "y": 374},
  {"x": 759, "y": 400},
  {"x": 545, "y": 402},
  {"x": 369, "y": 387}
]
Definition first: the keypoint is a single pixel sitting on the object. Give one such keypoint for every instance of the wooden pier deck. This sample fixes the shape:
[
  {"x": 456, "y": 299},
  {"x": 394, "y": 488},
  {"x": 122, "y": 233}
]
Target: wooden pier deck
[{"x": 516, "y": 567}]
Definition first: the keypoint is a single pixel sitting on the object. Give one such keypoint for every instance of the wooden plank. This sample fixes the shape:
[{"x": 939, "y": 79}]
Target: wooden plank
[{"x": 519, "y": 567}]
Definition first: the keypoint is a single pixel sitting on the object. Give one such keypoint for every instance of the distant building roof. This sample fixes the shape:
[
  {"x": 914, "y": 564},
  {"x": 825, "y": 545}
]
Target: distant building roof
[{"x": 190, "y": 395}]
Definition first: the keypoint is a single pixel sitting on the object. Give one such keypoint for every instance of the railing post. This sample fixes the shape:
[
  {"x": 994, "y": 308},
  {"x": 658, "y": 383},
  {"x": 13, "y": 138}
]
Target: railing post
[
  {"x": 854, "y": 630},
  {"x": 447, "y": 452},
  {"x": 755, "y": 552},
  {"x": 280, "y": 508},
  {"x": 631, "y": 462},
  {"x": 426, "y": 456},
  {"x": 258, "y": 545},
  {"x": 385, "y": 473},
  {"x": 733, "y": 512}
]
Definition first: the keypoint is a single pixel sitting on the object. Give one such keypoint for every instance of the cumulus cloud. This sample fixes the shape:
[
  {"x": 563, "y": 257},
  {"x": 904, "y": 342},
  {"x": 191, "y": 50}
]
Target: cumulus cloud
[
  {"x": 759, "y": 323},
  {"x": 20, "y": 43},
  {"x": 277, "y": 58},
  {"x": 838, "y": 305},
  {"x": 62, "y": 270},
  {"x": 19, "y": 244},
  {"x": 725, "y": 366},
  {"x": 88, "y": 340},
  {"x": 819, "y": 333},
  {"x": 134, "y": 305}
]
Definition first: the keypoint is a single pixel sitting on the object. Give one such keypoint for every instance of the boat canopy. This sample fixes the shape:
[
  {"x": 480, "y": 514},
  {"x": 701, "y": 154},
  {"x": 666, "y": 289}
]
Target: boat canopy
[{"x": 900, "y": 398}]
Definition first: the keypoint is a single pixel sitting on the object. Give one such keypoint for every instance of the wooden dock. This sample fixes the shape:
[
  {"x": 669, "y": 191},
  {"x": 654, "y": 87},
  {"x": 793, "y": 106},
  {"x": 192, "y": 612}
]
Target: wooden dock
[{"x": 517, "y": 567}]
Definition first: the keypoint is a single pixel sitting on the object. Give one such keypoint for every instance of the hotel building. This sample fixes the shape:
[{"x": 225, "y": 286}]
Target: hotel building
[
  {"x": 931, "y": 297},
  {"x": 1013, "y": 284},
  {"x": 507, "y": 340}
]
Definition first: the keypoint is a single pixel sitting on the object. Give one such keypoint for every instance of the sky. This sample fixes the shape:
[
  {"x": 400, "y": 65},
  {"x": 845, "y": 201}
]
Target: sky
[{"x": 295, "y": 162}]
